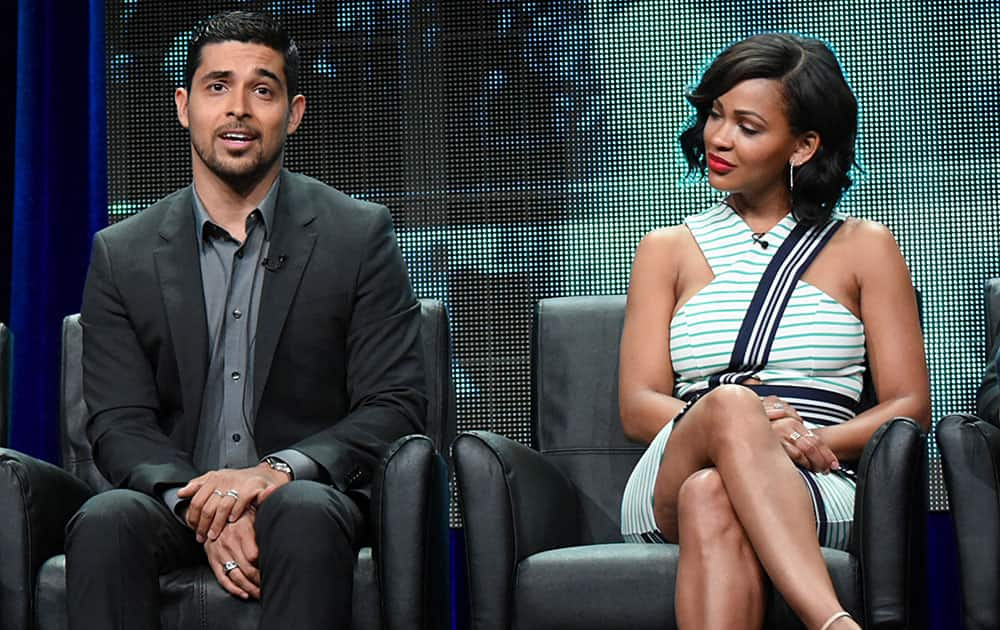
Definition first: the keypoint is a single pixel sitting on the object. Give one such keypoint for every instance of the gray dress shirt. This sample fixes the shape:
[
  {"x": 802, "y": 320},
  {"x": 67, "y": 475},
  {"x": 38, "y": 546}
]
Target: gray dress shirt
[{"x": 232, "y": 275}]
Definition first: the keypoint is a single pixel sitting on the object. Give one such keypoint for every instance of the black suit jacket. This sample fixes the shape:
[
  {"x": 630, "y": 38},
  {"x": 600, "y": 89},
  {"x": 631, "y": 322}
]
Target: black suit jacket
[{"x": 338, "y": 373}]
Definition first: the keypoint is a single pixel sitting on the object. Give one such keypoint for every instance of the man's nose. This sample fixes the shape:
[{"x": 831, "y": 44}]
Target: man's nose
[{"x": 239, "y": 105}]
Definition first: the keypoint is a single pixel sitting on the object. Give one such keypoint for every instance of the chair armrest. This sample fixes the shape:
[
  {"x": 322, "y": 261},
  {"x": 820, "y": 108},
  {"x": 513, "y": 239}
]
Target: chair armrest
[
  {"x": 36, "y": 501},
  {"x": 889, "y": 534},
  {"x": 970, "y": 454},
  {"x": 515, "y": 503},
  {"x": 410, "y": 518}
]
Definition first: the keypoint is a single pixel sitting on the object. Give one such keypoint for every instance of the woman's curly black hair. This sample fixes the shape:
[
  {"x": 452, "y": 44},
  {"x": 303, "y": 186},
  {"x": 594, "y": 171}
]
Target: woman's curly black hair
[{"x": 817, "y": 98}]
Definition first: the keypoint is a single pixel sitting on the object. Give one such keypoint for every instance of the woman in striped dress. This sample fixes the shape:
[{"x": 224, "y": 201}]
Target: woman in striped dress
[{"x": 747, "y": 399}]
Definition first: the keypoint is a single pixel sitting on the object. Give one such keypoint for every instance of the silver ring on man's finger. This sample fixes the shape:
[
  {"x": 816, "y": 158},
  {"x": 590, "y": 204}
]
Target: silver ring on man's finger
[
  {"x": 229, "y": 566},
  {"x": 795, "y": 435},
  {"x": 234, "y": 494},
  {"x": 218, "y": 492}
]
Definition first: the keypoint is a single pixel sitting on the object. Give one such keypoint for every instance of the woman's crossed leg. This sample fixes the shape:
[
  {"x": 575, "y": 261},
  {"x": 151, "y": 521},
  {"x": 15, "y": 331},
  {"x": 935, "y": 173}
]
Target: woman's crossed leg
[{"x": 734, "y": 501}]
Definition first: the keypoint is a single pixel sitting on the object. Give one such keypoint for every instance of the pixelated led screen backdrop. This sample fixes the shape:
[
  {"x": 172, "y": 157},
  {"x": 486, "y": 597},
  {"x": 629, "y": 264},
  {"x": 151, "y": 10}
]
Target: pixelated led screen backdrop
[{"x": 525, "y": 147}]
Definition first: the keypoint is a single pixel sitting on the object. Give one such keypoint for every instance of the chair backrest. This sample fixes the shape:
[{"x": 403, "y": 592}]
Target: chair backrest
[
  {"x": 6, "y": 374},
  {"x": 575, "y": 419},
  {"x": 992, "y": 313},
  {"x": 76, "y": 453}
]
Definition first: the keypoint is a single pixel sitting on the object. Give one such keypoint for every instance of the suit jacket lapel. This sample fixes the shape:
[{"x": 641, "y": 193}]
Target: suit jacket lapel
[
  {"x": 178, "y": 268},
  {"x": 293, "y": 239}
]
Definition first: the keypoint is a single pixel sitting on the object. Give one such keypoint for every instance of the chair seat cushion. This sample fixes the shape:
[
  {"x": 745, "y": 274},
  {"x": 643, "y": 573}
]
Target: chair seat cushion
[
  {"x": 628, "y": 585},
  {"x": 193, "y": 600}
]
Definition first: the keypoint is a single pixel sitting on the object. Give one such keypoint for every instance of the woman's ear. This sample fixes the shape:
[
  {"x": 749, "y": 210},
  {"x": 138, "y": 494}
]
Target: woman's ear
[{"x": 806, "y": 147}]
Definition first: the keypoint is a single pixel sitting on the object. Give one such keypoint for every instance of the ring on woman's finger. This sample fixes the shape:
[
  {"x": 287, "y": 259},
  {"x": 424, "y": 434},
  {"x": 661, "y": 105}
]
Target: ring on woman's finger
[
  {"x": 810, "y": 434},
  {"x": 233, "y": 493},
  {"x": 229, "y": 566},
  {"x": 795, "y": 435},
  {"x": 218, "y": 492}
]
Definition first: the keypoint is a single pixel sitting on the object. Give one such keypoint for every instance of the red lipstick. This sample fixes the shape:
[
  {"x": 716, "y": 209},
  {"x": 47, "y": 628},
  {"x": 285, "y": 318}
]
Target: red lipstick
[{"x": 718, "y": 165}]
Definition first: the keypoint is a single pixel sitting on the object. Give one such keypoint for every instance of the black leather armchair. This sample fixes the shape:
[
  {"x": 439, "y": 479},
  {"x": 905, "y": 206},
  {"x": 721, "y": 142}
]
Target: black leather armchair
[
  {"x": 970, "y": 457},
  {"x": 401, "y": 581},
  {"x": 542, "y": 526},
  {"x": 6, "y": 372}
]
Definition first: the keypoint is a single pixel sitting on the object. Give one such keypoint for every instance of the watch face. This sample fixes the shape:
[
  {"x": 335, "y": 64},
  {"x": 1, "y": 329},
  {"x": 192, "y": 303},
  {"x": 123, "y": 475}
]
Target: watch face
[{"x": 279, "y": 465}]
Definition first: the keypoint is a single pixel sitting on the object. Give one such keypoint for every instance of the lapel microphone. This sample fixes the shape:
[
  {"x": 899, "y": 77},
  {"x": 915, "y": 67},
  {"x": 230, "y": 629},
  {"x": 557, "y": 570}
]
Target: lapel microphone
[
  {"x": 272, "y": 264},
  {"x": 758, "y": 237}
]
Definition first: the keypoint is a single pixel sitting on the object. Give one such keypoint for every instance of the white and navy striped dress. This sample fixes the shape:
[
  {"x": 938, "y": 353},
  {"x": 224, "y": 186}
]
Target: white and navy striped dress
[{"x": 815, "y": 361}]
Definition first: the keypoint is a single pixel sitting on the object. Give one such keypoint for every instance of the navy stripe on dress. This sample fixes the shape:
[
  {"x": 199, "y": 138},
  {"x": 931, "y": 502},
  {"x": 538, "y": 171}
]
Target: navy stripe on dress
[
  {"x": 760, "y": 325},
  {"x": 819, "y": 509},
  {"x": 775, "y": 298}
]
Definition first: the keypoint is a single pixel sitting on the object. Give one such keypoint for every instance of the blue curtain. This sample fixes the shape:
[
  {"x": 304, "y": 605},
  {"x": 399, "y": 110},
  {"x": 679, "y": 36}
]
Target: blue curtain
[{"x": 59, "y": 199}]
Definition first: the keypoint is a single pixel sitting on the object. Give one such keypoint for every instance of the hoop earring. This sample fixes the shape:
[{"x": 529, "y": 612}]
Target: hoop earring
[{"x": 791, "y": 176}]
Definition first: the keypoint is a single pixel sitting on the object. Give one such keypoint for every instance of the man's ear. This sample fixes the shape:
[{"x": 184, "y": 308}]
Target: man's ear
[
  {"x": 296, "y": 111},
  {"x": 806, "y": 147},
  {"x": 181, "y": 100}
]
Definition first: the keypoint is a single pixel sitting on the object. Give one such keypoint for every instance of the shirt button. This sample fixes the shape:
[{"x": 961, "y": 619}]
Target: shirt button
[
  {"x": 236, "y": 376},
  {"x": 239, "y": 254},
  {"x": 236, "y": 437},
  {"x": 237, "y": 313}
]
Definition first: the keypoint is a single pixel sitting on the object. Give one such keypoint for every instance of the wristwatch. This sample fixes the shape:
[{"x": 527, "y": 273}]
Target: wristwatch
[{"x": 280, "y": 466}]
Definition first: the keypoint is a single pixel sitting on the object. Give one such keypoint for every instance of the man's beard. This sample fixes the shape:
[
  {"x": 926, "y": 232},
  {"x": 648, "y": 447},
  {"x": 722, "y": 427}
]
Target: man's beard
[{"x": 240, "y": 175}]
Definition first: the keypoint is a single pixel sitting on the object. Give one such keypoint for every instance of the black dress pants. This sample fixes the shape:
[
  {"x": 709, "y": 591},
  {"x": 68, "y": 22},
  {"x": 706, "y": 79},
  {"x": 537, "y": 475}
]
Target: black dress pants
[{"x": 121, "y": 541}]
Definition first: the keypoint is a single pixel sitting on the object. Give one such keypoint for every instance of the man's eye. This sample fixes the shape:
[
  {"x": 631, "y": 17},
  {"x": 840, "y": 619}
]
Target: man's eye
[
  {"x": 216, "y": 87},
  {"x": 264, "y": 91}
]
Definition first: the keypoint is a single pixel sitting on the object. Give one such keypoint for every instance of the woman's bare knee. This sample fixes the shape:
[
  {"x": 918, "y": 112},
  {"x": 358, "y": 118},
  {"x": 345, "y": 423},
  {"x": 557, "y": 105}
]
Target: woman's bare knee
[
  {"x": 730, "y": 417},
  {"x": 710, "y": 529},
  {"x": 727, "y": 402},
  {"x": 703, "y": 508}
]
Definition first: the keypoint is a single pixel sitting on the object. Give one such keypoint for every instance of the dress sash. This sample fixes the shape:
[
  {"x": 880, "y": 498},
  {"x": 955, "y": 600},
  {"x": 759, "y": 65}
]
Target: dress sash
[{"x": 760, "y": 324}]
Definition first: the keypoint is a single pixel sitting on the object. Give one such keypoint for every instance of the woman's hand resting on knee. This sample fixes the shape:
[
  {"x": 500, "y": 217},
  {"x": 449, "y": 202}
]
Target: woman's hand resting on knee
[{"x": 804, "y": 446}]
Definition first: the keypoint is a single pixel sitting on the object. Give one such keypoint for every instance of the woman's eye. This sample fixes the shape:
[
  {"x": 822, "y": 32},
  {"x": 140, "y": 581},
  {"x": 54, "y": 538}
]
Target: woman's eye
[{"x": 750, "y": 131}]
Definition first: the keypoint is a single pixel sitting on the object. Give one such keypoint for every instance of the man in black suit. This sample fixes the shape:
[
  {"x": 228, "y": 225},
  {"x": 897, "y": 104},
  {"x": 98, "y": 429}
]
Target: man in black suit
[{"x": 251, "y": 348}]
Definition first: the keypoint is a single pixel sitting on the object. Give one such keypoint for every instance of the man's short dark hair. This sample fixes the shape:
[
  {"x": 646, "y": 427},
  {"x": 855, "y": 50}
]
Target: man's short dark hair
[{"x": 248, "y": 27}]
